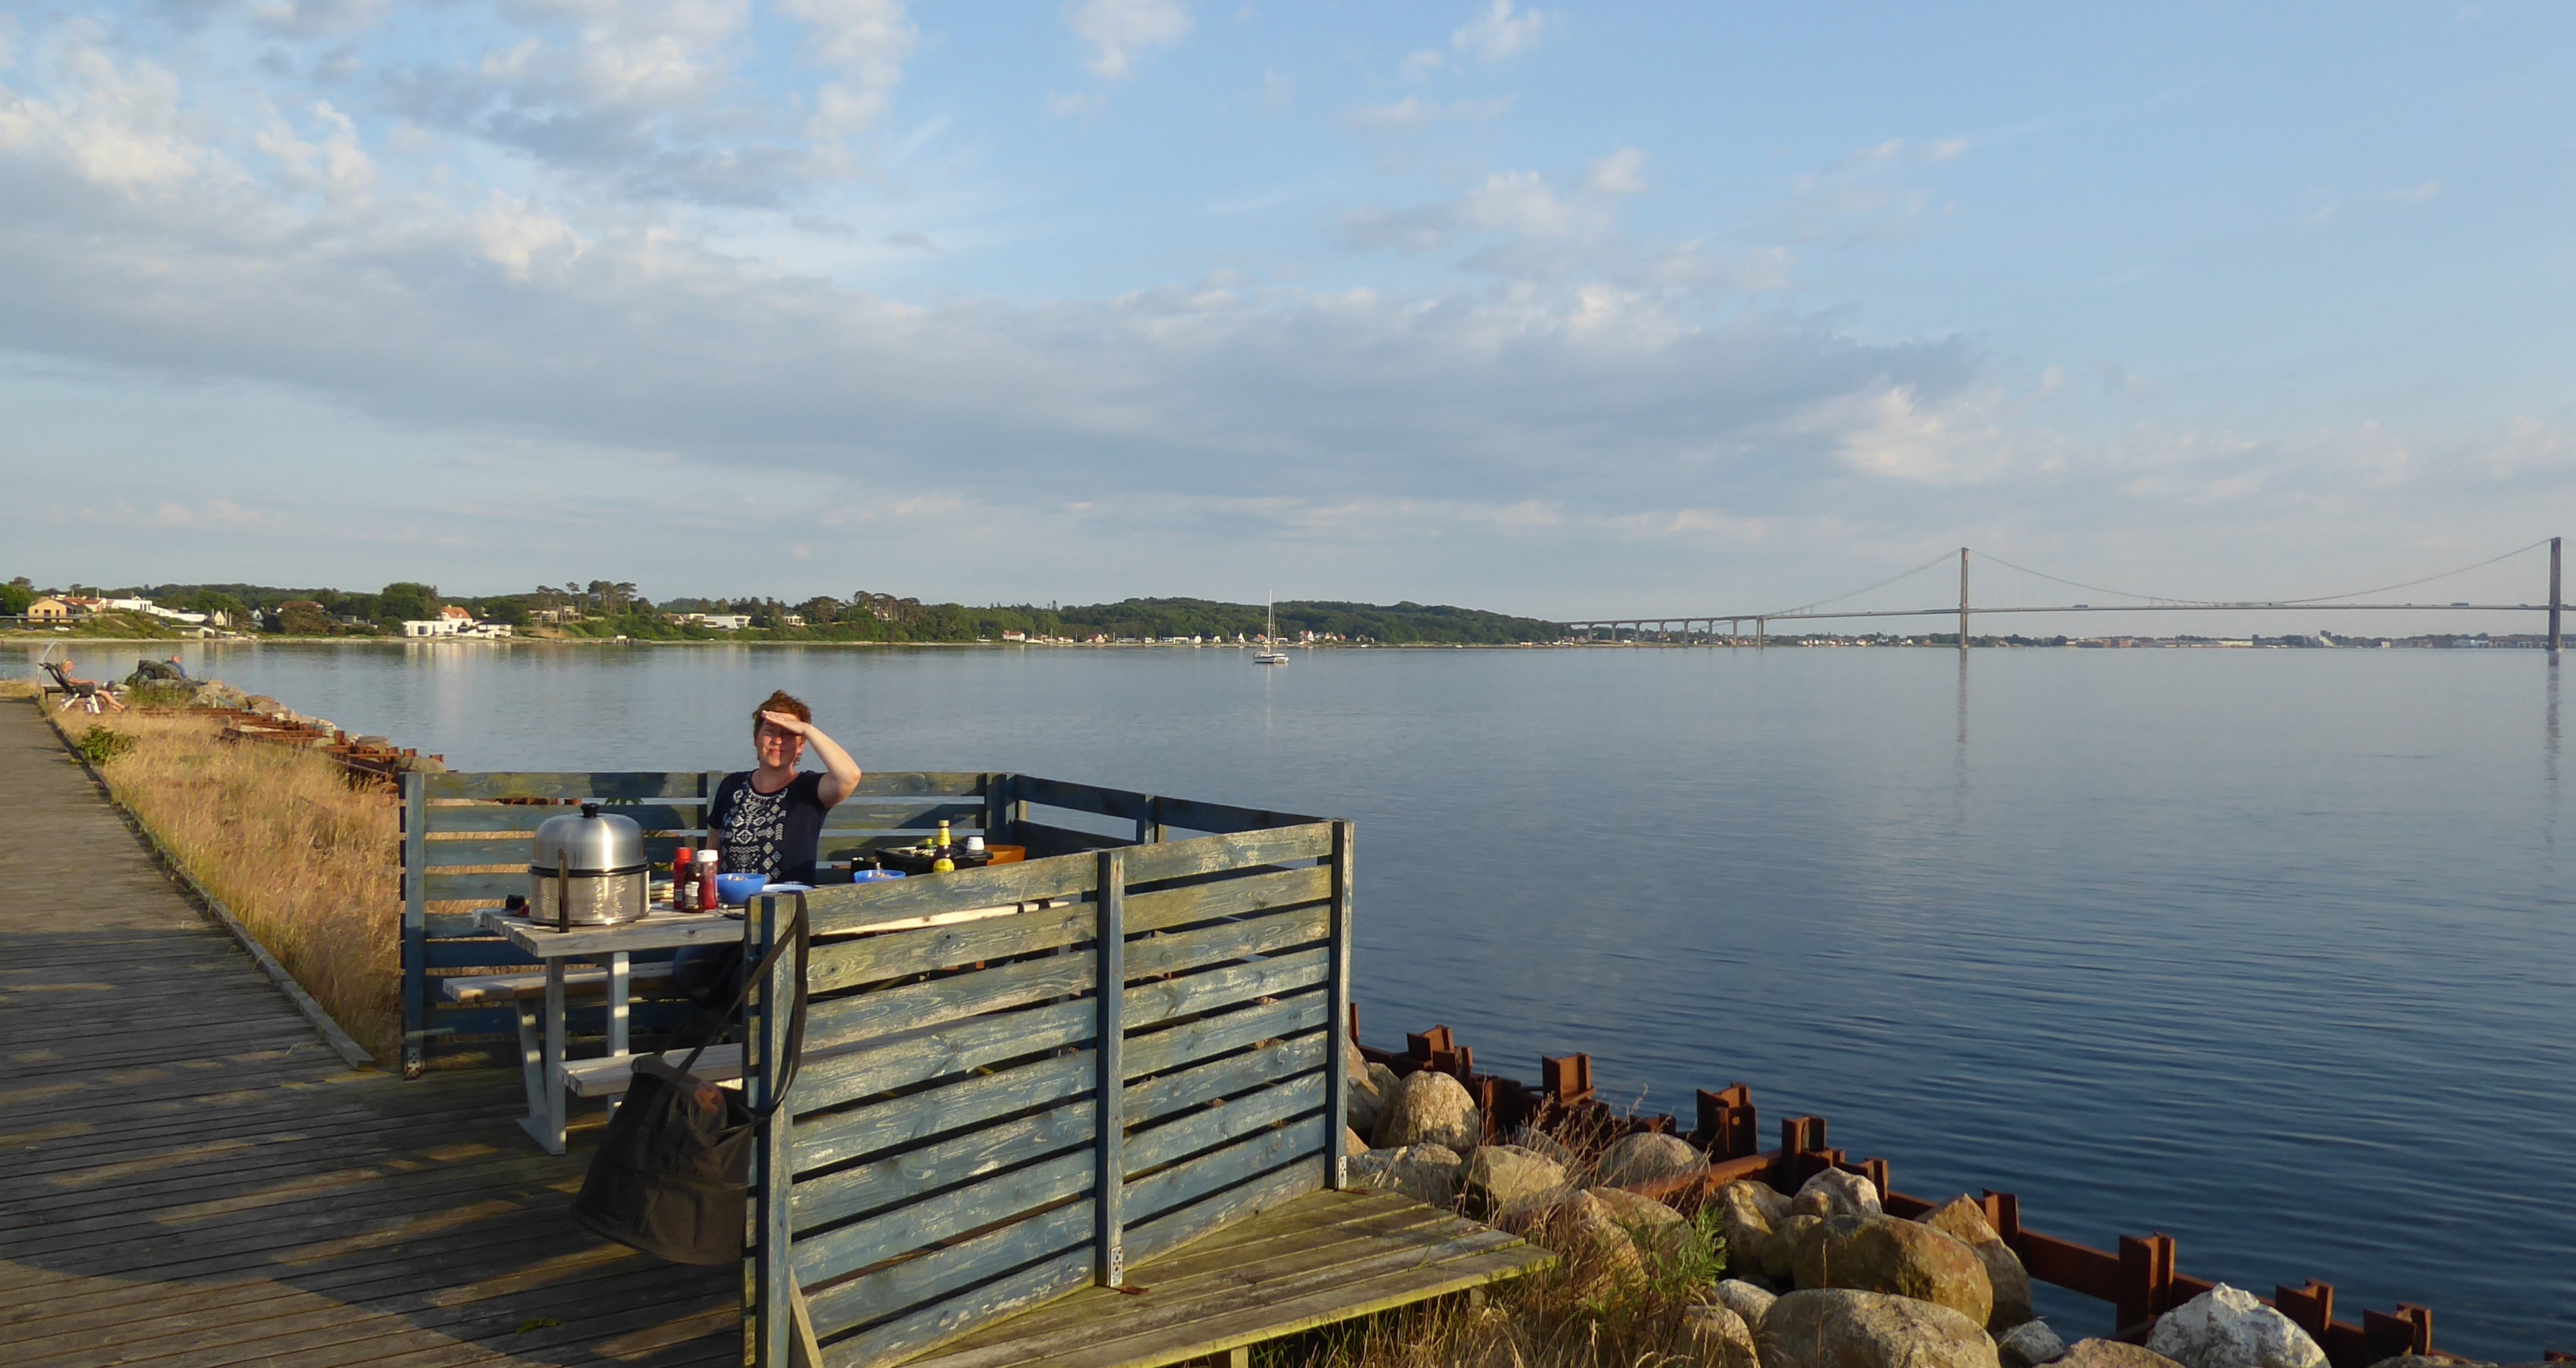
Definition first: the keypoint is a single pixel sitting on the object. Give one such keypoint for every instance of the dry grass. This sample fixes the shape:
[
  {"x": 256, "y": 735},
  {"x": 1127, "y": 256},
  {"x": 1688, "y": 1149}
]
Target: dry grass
[
  {"x": 18, "y": 688},
  {"x": 1542, "y": 1321},
  {"x": 301, "y": 858}
]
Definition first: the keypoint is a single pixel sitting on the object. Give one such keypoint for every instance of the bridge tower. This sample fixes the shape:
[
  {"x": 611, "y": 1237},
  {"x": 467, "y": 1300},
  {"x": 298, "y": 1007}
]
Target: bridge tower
[
  {"x": 1963, "y": 598},
  {"x": 2553, "y": 594}
]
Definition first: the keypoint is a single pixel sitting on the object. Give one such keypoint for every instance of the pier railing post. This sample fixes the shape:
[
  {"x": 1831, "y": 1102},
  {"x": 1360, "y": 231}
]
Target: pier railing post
[
  {"x": 1337, "y": 1066},
  {"x": 773, "y": 1280},
  {"x": 1109, "y": 1262},
  {"x": 415, "y": 923}
]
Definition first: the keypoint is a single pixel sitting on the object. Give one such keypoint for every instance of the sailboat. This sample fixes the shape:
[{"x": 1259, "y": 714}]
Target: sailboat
[{"x": 1270, "y": 652}]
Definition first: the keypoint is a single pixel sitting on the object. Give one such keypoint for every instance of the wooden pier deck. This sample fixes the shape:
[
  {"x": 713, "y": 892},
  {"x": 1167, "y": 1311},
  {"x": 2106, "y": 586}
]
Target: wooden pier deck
[{"x": 193, "y": 1178}]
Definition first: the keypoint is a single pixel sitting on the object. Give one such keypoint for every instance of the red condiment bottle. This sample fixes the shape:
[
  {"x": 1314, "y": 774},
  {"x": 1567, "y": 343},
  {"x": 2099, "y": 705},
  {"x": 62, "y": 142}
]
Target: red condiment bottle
[
  {"x": 684, "y": 879},
  {"x": 707, "y": 879}
]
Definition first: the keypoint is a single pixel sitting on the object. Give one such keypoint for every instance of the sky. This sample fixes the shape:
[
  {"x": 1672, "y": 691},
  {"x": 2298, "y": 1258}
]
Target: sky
[{"x": 1560, "y": 310}]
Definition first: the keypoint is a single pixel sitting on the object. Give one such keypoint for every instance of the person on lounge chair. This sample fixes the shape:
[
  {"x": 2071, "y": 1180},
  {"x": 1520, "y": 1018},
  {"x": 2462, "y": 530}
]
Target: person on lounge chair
[{"x": 89, "y": 693}]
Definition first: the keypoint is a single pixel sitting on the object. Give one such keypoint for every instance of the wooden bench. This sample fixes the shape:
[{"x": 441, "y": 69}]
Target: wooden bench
[
  {"x": 503, "y": 990},
  {"x": 608, "y": 1077},
  {"x": 525, "y": 995}
]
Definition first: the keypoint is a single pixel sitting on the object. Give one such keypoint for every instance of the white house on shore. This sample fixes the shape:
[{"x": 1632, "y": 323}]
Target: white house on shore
[{"x": 453, "y": 621}]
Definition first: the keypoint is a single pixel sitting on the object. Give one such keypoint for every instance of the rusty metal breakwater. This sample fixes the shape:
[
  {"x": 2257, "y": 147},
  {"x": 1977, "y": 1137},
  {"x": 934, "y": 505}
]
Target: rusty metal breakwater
[{"x": 2141, "y": 1278}]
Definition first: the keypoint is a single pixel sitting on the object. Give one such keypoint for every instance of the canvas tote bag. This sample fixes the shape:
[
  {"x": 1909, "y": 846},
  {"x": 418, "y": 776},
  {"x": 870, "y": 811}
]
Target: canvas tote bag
[{"x": 674, "y": 1168}]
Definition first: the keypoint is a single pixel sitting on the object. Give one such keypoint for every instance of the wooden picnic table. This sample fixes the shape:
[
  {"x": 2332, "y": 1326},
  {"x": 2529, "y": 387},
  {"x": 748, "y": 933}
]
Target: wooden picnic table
[{"x": 612, "y": 945}]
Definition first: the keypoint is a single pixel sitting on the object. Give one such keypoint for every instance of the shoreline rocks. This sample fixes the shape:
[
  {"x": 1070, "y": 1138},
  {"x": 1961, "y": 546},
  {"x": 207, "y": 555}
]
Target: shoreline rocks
[
  {"x": 2227, "y": 1328},
  {"x": 1901, "y": 1258},
  {"x": 1846, "y": 1328},
  {"x": 1963, "y": 1220},
  {"x": 1430, "y": 1108}
]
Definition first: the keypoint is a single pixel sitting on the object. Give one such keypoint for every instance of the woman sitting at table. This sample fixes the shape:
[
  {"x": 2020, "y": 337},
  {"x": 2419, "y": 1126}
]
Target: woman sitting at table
[{"x": 767, "y": 821}]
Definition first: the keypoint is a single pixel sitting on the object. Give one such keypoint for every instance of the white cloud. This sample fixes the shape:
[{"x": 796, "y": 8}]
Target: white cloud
[
  {"x": 1621, "y": 173},
  {"x": 1898, "y": 433},
  {"x": 118, "y": 126},
  {"x": 2419, "y": 195},
  {"x": 1119, "y": 30},
  {"x": 1413, "y": 112},
  {"x": 870, "y": 40},
  {"x": 1497, "y": 32},
  {"x": 1419, "y": 66},
  {"x": 317, "y": 18},
  {"x": 1068, "y": 106}
]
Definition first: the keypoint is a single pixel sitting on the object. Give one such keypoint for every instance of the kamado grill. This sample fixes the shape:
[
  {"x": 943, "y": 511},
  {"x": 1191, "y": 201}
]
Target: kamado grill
[{"x": 587, "y": 870}]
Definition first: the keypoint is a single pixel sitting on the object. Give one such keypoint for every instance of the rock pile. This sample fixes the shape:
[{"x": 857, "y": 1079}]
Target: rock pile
[{"x": 1820, "y": 1278}]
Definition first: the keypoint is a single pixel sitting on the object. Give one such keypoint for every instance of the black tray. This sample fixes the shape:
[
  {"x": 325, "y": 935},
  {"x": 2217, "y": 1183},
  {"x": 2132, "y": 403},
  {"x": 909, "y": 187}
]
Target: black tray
[{"x": 907, "y": 863}]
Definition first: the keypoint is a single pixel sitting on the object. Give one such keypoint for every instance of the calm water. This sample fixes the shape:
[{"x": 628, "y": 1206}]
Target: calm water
[{"x": 2266, "y": 950}]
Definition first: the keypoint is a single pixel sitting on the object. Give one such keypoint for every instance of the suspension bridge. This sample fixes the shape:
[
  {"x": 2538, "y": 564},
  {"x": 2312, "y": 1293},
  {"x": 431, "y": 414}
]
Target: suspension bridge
[{"x": 1703, "y": 627}]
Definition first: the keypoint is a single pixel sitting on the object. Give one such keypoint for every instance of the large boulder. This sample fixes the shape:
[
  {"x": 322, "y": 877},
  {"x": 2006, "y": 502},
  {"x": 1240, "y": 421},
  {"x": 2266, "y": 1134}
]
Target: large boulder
[
  {"x": 1659, "y": 1230},
  {"x": 1749, "y": 1216},
  {"x": 1635, "y": 1212},
  {"x": 1362, "y": 1100},
  {"x": 1835, "y": 1193},
  {"x": 1884, "y": 1254},
  {"x": 1713, "y": 1336},
  {"x": 2029, "y": 1345},
  {"x": 1745, "y": 1299},
  {"x": 1965, "y": 1221},
  {"x": 1794, "y": 1245},
  {"x": 1600, "y": 1256},
  {"x": 1430, "y": 1108},
  {"x": 1501, "y": 1179},
  {"x": 1844, "y": 1328},
  {"x": 2102, "y": 1353},
  {"x": 1540, "y": 1142},
  {"x": 1646, "y": 1157},
  {"x": 1426, "y": 1173},
  {"x": 215, "y": 693},
  {"x": 2226, "y": 1328}
]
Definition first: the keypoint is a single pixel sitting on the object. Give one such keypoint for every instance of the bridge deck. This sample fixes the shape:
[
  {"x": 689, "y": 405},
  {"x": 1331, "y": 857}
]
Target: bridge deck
[{"x": 195, "y": 1179}]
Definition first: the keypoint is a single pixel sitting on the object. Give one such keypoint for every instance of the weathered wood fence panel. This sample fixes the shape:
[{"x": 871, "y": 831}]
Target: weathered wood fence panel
[
  {"x": 994, "y": 1112},
  {"x": 465, "y": 840}
]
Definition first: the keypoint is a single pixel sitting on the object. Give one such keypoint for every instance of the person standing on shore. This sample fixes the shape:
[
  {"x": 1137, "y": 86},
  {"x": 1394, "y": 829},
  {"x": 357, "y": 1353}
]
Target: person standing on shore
[{"x": 767, "y": 820}]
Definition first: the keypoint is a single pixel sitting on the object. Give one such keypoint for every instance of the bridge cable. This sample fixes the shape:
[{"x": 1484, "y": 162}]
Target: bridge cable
[
  {"x": 2265, "y": 603},
  {"x": 1856, "y": 593}
]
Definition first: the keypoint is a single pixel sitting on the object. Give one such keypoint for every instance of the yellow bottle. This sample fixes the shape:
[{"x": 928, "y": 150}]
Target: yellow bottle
[{"x": 941, "y": 864}]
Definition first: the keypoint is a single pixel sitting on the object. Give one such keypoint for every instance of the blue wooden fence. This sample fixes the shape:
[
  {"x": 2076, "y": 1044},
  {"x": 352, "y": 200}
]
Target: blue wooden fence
[{"x": 994, "y": 1111}]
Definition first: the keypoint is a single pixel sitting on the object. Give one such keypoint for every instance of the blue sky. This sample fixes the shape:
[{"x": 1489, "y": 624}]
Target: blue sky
[{"x": 1563, "y": 310}]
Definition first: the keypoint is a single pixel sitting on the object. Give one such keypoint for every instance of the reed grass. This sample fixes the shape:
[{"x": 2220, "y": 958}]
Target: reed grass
[
  {"x": 1545, "y": 1320},
  {"x": 303, "y": 859},
  {"x": 1557, "y": 1318}
]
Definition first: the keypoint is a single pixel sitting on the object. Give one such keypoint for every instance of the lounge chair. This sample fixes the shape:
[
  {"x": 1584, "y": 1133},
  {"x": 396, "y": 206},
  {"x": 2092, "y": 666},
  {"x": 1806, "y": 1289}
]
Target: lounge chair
[{"x": 88, "y": 693}]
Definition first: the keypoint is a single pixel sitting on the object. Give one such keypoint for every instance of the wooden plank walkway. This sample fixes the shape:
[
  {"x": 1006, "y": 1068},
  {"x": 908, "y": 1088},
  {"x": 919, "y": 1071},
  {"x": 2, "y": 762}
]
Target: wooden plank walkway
[
  {"x": 193, "y": 1178},
  {"x": 1324, "y": 1258}
]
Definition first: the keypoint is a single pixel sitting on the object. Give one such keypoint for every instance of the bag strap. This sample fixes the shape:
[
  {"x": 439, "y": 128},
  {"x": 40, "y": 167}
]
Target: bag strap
[{"x": 795, "y": 1050}]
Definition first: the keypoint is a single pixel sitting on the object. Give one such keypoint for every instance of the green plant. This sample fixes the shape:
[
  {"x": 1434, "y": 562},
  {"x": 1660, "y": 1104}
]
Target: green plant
[
  {"x": 102, "y": 743},
  {"x": 1681, "y": 1257}
]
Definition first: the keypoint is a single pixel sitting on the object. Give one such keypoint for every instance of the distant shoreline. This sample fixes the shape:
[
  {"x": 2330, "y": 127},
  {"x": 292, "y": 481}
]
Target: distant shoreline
[{"x": 2469, "y": 643}]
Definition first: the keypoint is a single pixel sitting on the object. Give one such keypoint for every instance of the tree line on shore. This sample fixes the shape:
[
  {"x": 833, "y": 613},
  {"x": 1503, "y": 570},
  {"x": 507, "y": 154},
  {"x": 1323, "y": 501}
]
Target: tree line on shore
[{"x": 604, "y": 609}]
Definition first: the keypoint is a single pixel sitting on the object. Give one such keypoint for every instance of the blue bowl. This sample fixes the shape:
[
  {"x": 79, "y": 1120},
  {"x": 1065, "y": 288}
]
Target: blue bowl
[
  {"x": 733, "y": 890},
  {"x": 874, "y": 875}
]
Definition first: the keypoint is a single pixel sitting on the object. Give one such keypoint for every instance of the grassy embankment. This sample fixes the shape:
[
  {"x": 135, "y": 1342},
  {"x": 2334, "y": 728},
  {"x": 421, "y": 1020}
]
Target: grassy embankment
[{"x": 303, "y": 860}]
